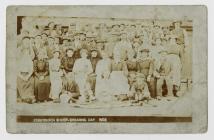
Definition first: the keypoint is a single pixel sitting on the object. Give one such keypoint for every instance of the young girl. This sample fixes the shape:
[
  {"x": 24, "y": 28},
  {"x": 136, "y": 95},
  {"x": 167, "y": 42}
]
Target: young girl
[
  {"x": 55, "y": 76},
  {"x": 139, "y": 89}
]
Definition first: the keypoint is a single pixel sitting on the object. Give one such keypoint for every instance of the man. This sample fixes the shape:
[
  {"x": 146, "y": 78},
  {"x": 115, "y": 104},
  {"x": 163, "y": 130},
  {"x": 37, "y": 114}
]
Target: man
[
  {"x": 164, "y": 73},
  {"x": 41, "y": 46},
  {"x": 102, "y": 32},
  {"x": 100, "y": 45},
  {"x": 182, "y": 36},
  {"x": 136, "y": 44},
  {"x": 64, "y": 46},
  {"x": 50, "y": 47},
  {"x": 157, "y": 32},
  {"x": 166, "y": 32},
  {"x": 123, "y": 46},
  {"x": 82, "y": 37},
  {"x": 94, "y": 58},
  {"x": 71, "y": 30},
  {"x": 37, "y": 44},
  {"x": 51, "y": 31},
  {"x": 145, "y": 65},
  {"x": 112, "y": 39},
  {"x": 115, "y": 28},
  {"x": 90, "y": 30},
  {"x": 90, "y": 42},
  {"x": 79, "y": 43},
  {"x": 175, "y": 54},
  {"x": 122, "y": 27},
  {"x": 131, "y": 31},
  {"x": 56, "y": 44},
  {"x": 44, "y": 39},
  {"x": 58, "y": 31}
]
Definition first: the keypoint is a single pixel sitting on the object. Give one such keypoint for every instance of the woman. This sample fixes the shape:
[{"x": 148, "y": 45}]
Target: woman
[
  {"x": 42, "y": 81},
  {"x": 123, "y": 46},
  {"x": 51, "y": 31},
  {"x": 40, "y": 48},
  {"x": 67, "y": 64},
  {"x": 25, "y": 81},
  {"x": 55, "y": 76},
  {"x": 102, "y": 79},
  {"x": 155, "y": 49},
  {"x": 50, "y": 47},
  {"x": 118, "y": 76},
  {"x": 182, "y": 36},
  {"x": 175, "y": 55}
]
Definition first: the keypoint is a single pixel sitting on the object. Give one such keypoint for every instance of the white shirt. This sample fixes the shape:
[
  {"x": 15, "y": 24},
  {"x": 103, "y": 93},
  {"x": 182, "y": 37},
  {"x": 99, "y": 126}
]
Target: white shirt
[{"x": 82, "y": 65}]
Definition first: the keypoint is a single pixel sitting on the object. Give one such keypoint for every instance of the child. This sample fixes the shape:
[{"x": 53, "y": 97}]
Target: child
[
  {"x": 82, "y": 69},
  {"x": 139, "y": 90},
  {"x": 68, "y": 97}
]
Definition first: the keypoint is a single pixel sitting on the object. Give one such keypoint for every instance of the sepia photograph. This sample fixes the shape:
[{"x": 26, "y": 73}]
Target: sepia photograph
[{"x": 100, "y": 63}]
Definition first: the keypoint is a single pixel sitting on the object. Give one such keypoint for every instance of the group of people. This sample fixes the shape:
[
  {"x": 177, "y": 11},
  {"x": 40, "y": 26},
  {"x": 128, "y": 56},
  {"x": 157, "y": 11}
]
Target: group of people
[{"x": 99, "y": 63}]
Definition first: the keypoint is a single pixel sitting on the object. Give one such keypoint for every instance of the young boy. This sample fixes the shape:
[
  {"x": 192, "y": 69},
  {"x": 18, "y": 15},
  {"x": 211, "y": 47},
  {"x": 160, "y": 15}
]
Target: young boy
[
  {"x": 139, "y": 89},
  {"x": 82, "y": 69}
]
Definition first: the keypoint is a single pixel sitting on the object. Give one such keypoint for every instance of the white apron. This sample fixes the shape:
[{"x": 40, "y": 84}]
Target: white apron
[
  {"x": 55, "y": 78},
  {"x": 102, "y": 80},
  {"x": 56, "y": 84},
  {"x": 118, "y": 83}
]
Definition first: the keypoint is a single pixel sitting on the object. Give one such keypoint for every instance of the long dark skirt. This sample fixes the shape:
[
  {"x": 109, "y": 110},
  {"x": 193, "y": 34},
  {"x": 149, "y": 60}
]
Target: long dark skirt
[
  {"x": 42, "y": 88},
  {"x": 25, "y": 88}
]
